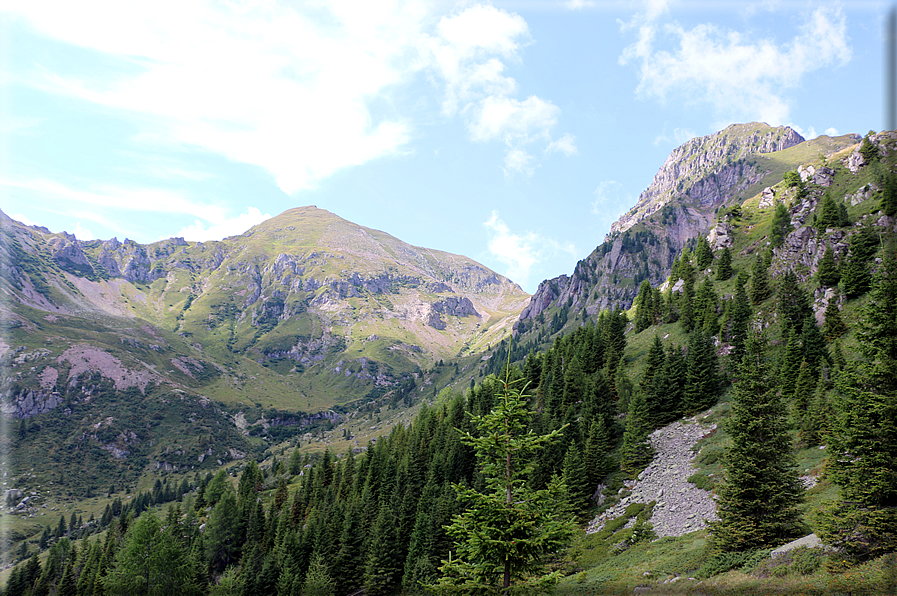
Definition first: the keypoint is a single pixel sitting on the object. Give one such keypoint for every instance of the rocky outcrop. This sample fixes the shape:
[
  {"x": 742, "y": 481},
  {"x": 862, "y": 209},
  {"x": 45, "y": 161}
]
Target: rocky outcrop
[
  {"x": 706, "y": 169},
  {"x": 29, "y": 403},
  {"x": 697, "y": 179},
  {"x": 450, "y": 306},
  {"x": 680, "y": 507}
]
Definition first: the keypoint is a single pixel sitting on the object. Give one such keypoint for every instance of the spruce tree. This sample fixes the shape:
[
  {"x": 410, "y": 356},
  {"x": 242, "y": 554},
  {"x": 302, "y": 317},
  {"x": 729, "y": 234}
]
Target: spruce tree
[
  {"x": 740, "y": 316},
  {"x": 781, "y": 225},
  {"x": 759, "y": 500},
  {"x": 702, "y": 388},
  {"x": 855, "y": 276},
  {"x": 889, "y": 194},
  {"x": 794, "y": 303},
  {"x": 724, "y": 266},
  {"x": 502, "y": 537},
  {"x": 804, "y": 390},
  {"x": 863, "y": 445},
  {"x": 644, "y": 302},
  {"x": 790, "y": 366},
  {"x": 828, "y": 213},
  {"x": 653, "y": 366},
  {"x": 596, "y": 457},
  {"x": 760, "y": 289},
  {"x": 828, "y": 273},
  {"x": 576, "y": 480},
  {"x": 636, "y": 452},
  {"x": 670, "y": 385},
  {"x": 834, "y": 326},
  {"x": 703, "y": 254}
]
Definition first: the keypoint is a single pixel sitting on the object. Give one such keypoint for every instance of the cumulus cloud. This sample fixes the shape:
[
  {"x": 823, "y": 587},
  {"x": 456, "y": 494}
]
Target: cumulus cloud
[
  {"x": 832, "y": 131},
  {"x": 566, "y": 145},
  {"x": 301, "y": 90},
  {"x": 82, "y": 233},
  {"x": 222, "y": 229},
  {"x": 285, "y": 87},
  {"x": 468, "y": 54},
  {"x": 700, "y": 63},
  {"x": 520, "y": 252},
  {"x": 23, "y": 219}
]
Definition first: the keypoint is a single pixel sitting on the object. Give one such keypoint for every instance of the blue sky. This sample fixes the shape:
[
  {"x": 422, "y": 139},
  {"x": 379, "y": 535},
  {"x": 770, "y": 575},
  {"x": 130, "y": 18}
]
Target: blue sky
[{"x": 511, "y": 132}]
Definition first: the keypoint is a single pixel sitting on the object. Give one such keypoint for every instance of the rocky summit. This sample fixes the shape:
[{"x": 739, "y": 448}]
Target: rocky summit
[{"x": 697, "y": 180}]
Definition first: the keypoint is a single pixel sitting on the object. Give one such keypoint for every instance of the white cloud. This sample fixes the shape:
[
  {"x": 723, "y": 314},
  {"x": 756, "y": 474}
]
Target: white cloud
[
  {"x": 512, "y": 120},
  {"x": 22, "y": 219},
  {"x": 578, "y": 4},
  {"x": 520, "y": 162},
  {"x": 566, "y": 145},
  {"x": 680, "y": 136},
  {"x": 219, "y": 230},
  {"x": 701, "y": 64},
  {"x": 468, "y": 54},
  {"x": 832, "y": 131},
  {"x": 284, "y": 87},
  {"x": 132, "y": 199},
  {"x": 520, "y": 252},
  {"x": 82, "y": 233}
]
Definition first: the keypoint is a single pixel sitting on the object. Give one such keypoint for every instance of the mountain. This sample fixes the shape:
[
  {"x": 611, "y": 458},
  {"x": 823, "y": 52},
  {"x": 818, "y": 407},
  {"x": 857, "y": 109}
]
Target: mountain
[
  {"x": 698, "y": 179},
  {"x": 303, "y": 313}
]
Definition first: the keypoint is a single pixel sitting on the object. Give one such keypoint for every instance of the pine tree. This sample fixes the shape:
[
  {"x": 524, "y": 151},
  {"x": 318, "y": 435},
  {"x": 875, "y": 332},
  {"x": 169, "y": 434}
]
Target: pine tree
[
  {"x": 703, "y": 253},
  {"x": 506, "y": 531},
  {"x": 794, "y": 303},
  {"x": 828, "y": 273},
  {"x": 576, "y": 480},
  {"x": 644, "y": 314},
  {"x": 702, "y": 388},
  {"x": 828, "y": 213},
  {"x": 740, "y": 316},
  {"x": 781, "y": 225},
  {"x": 790, "y": 367},
  {"x": 760, "y": 289},
  {"x": 724, "y": 266},
  {"x": 318, "y": 581},
  {"x": 653, "y": 366},
  {"x": 855, "y": 276},
  {"x": 595, "y": 458},
  {"x": 834, "y": 326},
  {"x": 636, "y": 452},
  {"x": 759, "y": 501},
  {"x": 863, "y": 445},
  {"x": 670, "y": 385},
  {"x": 889, "y": 194}
]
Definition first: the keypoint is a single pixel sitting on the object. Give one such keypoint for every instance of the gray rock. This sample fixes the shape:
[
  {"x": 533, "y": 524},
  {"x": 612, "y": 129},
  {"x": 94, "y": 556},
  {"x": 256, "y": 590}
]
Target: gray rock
[{"x": 811, "y": 541}]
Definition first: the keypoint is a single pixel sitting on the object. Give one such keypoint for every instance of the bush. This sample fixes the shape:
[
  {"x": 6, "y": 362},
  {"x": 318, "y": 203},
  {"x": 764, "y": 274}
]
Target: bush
[
  {"x": 702, "y": 481},
  {"x": 800, "y": 561}
]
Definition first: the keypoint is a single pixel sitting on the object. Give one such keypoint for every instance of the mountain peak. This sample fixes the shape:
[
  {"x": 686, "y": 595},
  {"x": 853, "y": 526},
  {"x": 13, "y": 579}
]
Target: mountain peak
[{"x": 690, "y": 172}]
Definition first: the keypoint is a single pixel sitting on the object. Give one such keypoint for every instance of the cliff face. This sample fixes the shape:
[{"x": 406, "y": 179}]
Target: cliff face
[
  {"x": 705, "y": 172},
  {"x": 697, "y": 179}
]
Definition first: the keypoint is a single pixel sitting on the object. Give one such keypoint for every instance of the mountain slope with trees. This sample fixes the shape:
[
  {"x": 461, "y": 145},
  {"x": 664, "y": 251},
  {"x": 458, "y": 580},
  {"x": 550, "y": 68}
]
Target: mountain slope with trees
[{"x": 744, "y": 332}]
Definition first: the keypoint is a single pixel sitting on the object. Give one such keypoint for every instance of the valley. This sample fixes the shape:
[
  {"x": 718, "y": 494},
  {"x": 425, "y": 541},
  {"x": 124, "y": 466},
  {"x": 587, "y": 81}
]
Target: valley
[{"x": 306, "y": 378}]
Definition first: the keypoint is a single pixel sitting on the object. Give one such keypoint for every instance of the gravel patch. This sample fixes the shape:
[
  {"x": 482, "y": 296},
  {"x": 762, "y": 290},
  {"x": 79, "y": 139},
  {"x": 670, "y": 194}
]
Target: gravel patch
[{"x": 680, "y": 507}]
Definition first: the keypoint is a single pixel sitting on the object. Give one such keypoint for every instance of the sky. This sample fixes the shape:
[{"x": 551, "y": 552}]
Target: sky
[{"x": 514, "y": 133}]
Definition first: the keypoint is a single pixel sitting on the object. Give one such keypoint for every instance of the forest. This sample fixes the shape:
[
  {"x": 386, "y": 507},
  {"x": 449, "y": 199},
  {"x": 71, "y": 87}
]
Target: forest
[{"x": 485, "y": 489}]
